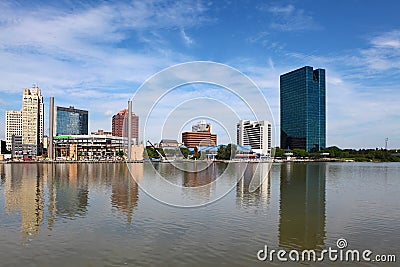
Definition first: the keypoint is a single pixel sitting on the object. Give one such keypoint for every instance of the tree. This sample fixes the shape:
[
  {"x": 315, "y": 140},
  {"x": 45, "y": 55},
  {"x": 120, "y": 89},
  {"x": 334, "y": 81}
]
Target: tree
[
  {"x": 151, "y": 153},
  {"x": 334, "y": 151},
  {"x": 279, "y": 152},
  {"x": 226, "y": 152},
  {"x": 299, "y": 152},
  {"x": 230, "y": 151},
  {"x": 120, "y": 154},
  {"x": 184, "y": 152}
]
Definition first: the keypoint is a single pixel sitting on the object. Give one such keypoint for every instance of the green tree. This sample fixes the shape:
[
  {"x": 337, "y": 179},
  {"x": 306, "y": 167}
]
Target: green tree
[
  {"x": 221, "y": 152},
  {"x": 334, "y": 152},
  {"x": 120, "y": 154},
  {"x": 299, "y": 152},
  {"x": 151, "y": 153},
  {"x": 226, "y": 152},
  {"x": 185, "y": 152},
  {"x": 279, "y": 152}
]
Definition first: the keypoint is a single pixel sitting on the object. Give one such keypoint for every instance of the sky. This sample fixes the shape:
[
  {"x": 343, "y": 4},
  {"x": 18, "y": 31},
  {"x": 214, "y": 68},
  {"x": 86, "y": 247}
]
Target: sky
[{"x": 95, "y": 55}]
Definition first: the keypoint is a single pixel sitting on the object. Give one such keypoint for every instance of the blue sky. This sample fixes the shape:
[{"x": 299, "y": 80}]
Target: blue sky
[{"x": 95, "y": 54}]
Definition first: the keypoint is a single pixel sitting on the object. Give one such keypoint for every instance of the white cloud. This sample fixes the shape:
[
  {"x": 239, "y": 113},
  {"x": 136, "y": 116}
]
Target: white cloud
[
  {"x": 75, "y": 54},
  {"x": 110, "y": 112},
  {"x": 290, "y": 18},
  {"x": 383, "y": 53},
  {"x": 188, "y": 41},
  {"x": 387, "y": 40}
]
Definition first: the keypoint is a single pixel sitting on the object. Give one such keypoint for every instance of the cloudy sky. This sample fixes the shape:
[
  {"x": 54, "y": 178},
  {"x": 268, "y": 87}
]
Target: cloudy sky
[{"x": 94, "y": 55}]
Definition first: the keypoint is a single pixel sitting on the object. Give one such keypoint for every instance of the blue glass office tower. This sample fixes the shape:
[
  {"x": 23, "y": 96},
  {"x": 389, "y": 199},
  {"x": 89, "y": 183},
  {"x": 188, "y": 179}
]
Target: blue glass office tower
[
  {"x": 303, "y": 112},
  {"x": 71, "y": 121}
]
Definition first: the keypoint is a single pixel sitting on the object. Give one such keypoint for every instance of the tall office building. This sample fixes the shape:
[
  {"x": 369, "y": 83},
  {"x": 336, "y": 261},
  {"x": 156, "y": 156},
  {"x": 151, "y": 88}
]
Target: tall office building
[
  {"x": 120, "y": 124},
  {"x": 13, "y": 126},
  {"x": 71, "y": 121},
  {"x": 256, "y": 134},
  {"x": 303, "y": 117},
  {"x": 32, "y": 118}
]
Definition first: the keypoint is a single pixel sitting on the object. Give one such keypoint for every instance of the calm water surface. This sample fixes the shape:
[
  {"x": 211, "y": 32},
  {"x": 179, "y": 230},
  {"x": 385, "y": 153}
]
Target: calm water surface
[{"x": 96, "y": 215}]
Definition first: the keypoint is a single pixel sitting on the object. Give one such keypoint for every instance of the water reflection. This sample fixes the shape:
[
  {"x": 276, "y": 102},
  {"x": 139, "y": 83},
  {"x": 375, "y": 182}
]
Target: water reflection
[
  {"x": 261, "y": 195},
  {"x": 23, "y": 192},
  {"x": 302, "y": 206},
  {"x": 69, "y": 190},
  {"x": 125, "y": 191},
  {"x": 41, "y": 193},
  {"x": 194, "y": 177}
]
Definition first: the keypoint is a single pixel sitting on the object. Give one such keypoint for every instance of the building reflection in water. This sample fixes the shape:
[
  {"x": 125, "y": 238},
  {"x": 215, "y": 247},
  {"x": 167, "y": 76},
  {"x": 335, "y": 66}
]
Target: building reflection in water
[
  {"x": 69, "y": 189},
  {"x": 302, "y": 206},
  {"x": 23, "y": 192},
  {"x": 200, "y": 175},
  {"x": 261, "y": 195},
  {"x": 125, "y": 191},
  {"x": 57, "y": 191}
]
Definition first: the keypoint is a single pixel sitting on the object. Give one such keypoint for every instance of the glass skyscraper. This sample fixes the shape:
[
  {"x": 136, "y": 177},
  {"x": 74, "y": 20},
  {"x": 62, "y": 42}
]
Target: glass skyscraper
[
  {"x": 71, "y": 121},
  {"x": 303, "y": 112}
]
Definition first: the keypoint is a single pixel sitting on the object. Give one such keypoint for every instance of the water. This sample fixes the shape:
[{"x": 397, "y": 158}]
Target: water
[{"x": 96, "y": 215}]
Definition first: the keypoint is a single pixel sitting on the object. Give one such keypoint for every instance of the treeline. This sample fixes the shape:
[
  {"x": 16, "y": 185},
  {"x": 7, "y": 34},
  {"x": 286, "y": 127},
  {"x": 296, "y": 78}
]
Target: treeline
[
  {"x": 381, "y": 155},
  {"x": 153, "y": 154},
  {"x": 224, "y": 153}
]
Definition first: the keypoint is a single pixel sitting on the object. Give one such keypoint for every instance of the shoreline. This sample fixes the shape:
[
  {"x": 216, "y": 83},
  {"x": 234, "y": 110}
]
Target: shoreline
[{"x": 194, "y": 161}]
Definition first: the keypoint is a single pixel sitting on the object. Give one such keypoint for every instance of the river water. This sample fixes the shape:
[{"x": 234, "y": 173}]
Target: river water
[{"x": 95, "y": 214}]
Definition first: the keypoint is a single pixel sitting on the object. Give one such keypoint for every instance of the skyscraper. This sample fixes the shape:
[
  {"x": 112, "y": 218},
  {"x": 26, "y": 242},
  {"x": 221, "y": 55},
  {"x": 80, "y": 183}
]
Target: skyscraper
[
  {"x": 13, "y": 126},
  {"x": 71, "y": 121},
  {"x": 120, "y": 124},
  {"x": 32, "y": 118},
  {"x": 303, "y": 114},
  {"x": 256, "y": 134}
]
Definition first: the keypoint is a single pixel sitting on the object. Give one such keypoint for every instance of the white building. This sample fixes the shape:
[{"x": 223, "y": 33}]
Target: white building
[
  {"x": 13, "y": 126},
  {"x": 32, "y": 117},
  {"x": 256, "y": 134},
  {"x": 201, "y": 126}
]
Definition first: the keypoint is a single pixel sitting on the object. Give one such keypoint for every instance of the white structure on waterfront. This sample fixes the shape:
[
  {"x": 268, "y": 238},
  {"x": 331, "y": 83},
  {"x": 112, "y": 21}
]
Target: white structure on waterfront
[
  {"x": 13, "y": 126},
  {"x": 32, "y": 117},
  {"x": 256, "y": 134}
]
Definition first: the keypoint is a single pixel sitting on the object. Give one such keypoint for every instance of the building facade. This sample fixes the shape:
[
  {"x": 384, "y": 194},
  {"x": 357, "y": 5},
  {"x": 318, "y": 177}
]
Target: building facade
[
  {"x": 200, "y": 136},
  {"x": 71, "y": 121},
  {"x": 120, "y": 125},
  {"x": 303, "y": 109},
  {"x": 256, "y": 134},
  {"x": 13, "y": 126},
  {"x": 201, "y": 126},
  {"x": 32, "y": 118},
  {"x": 93, "y": 147}
]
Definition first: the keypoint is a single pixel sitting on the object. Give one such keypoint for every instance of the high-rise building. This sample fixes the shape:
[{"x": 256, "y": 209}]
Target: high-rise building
[
  {"x": 199, "y": 136},
  {"x": 120, "y": 124},
  {"x": 32, "y": 118},
  {"x": 13, "y": 126},
  {"x": 256, "y": 134},
  {"x": 303, "y": 117},
  {"x": 71, "y": 121}
]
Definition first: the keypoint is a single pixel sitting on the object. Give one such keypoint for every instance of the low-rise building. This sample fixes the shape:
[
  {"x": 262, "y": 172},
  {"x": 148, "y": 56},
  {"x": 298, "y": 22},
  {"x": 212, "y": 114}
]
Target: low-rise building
[
  {"x": 199, "y": 136},
  {"x": 94, "y": 147}
]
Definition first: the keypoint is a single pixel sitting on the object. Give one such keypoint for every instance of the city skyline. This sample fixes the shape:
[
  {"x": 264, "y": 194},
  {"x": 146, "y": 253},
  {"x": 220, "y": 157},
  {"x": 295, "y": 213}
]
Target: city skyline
[{"x": 96, "y": 54}]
